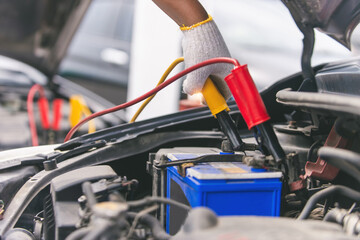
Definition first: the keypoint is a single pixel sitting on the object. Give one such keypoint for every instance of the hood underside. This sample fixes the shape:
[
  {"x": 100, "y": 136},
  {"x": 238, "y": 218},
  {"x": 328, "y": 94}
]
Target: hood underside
[
  {"x": 38, "y": 32},
  {"x": 336, "y": 18}
]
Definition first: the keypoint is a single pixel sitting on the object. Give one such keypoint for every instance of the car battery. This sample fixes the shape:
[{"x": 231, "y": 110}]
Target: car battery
[{"x": 228, "y": 188}]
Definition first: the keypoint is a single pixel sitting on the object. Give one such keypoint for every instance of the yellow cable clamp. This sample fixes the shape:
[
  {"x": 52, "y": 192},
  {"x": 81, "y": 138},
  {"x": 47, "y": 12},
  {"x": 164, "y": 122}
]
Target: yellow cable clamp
[
  {"x": 185, "y": 28},
  {"x": 78, "y": 109},
  {"x": 213, "y": 98}
]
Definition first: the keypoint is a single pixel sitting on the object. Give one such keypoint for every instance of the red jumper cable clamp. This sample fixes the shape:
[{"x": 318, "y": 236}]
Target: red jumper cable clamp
[{"x": 253, "y": 108}]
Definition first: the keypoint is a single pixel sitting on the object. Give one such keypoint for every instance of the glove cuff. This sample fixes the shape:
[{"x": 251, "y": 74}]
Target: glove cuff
[
  {"x": 185, "y": 28},
  {"x": 201, "y": 43}
]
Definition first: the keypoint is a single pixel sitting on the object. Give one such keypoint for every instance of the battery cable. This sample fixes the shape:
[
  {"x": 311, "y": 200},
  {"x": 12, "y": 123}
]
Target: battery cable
[
  {"x": 162, "y": 79},
  {"x": 151, "y": 92}
]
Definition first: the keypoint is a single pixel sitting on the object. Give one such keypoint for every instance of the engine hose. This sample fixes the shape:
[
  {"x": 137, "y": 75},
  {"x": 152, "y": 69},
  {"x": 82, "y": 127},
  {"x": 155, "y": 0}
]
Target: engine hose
[
  {"x": 308, "y": 48},
  {"x": 345, "y": 160},
  {"x": 330, "y": 191},
  {"x": 88, "y": 192},
  {"x": 309, "y": 83},
  {"x": 151, "y": 222},
  {"x": 79, "y": 233},
  {"x": 345, "y": 155},
  {"x": 99, "y": 231},
  {"x": 336, "y": 216},
  {"x": 151, "y": 200},
  {"x": 312, "y": 150}
]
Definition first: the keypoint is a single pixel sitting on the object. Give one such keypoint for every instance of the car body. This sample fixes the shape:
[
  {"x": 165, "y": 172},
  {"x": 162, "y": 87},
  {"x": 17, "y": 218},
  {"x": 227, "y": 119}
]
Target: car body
[
  {"x": 26, "y": 60},
  {"x": 306, "y": 150}
]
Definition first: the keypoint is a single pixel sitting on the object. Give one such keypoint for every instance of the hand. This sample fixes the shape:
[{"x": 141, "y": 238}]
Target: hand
[{"x": 201, "y": 43}]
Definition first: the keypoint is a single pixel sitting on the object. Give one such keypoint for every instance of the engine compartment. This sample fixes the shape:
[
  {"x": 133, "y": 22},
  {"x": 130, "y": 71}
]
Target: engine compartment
[{"x": 112, "y": 184}]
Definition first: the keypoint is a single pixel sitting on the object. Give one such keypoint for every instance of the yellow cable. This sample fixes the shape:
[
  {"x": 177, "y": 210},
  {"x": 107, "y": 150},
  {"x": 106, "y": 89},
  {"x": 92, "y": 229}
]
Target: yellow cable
[{"x": 162, "y": 79}]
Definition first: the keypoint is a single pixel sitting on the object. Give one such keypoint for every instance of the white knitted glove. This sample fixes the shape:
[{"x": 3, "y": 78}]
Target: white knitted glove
[{"x": 200, "y": 43}]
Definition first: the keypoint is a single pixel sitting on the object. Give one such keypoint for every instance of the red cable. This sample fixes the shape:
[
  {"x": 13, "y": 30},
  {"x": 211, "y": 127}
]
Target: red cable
[
  {"x": 151, "y": 92},
  {"x": 30, "y": 109}
]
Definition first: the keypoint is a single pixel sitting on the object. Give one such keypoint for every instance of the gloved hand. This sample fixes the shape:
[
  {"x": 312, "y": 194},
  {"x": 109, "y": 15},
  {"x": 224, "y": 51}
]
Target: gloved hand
[{"x": 201, "y": 42}]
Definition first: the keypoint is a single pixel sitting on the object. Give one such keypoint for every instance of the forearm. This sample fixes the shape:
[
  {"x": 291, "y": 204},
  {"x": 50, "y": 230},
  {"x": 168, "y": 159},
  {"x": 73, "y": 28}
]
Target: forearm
[
  {"x": 183, "y": 12},
  {"x": 202, "y": 40}
]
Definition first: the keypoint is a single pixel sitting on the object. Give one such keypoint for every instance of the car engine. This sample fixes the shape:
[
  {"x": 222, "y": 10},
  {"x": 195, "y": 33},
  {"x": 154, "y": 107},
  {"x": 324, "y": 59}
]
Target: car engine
[{"x": 141, "y": 180}]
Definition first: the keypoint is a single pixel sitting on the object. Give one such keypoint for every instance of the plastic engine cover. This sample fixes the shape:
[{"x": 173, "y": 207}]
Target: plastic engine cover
[{"x": 255, "y": 228}]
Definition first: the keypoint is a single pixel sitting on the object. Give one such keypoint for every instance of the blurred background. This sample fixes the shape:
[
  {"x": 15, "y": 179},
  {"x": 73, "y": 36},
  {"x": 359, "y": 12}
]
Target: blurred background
[
  {"x": 122, "y": 47},
  {"x": 86, "y": 56}
]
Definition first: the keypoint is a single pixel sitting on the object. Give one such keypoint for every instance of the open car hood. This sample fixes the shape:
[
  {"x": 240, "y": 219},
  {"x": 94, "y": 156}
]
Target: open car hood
[
  {"x": 335, "y": 18},
  {"x": 38, "y": 32}
]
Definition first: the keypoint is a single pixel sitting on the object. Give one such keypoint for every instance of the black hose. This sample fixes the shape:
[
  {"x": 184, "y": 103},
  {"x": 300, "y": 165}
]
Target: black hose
[
  {"x": 345, "y": 155},
  {"x": 346, "y": 127},
  {"x": 152, "y": 200},
  {"x": 88, "y": 192},
  {"x": 151, "y": 222},
  {"x": 93, "y": 233},
  {"x": 79, "y": 233},
  {"x": 311, "y": 150},
  {"x": 347, "y": 161},
  {"x": 321, "y": 195},
  {"x": 309, "y": 83},
  {"x": 308, "y": 48},
  {"x": 307, "y": 29}
]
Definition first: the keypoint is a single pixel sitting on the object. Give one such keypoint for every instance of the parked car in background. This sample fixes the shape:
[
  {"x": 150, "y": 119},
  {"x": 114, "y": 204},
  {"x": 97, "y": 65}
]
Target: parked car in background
[
  {"x": 31, "y": 46},
  {"x": 98, "y": 57}
]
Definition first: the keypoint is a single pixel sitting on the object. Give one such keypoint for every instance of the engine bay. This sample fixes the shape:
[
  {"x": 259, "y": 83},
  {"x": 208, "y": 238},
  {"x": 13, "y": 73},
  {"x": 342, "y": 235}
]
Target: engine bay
[{"x": 141, "y": 180}]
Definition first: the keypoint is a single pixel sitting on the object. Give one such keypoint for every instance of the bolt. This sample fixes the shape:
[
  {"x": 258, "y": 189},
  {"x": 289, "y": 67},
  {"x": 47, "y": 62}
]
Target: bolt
[{"x": 292, "y": 125}]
